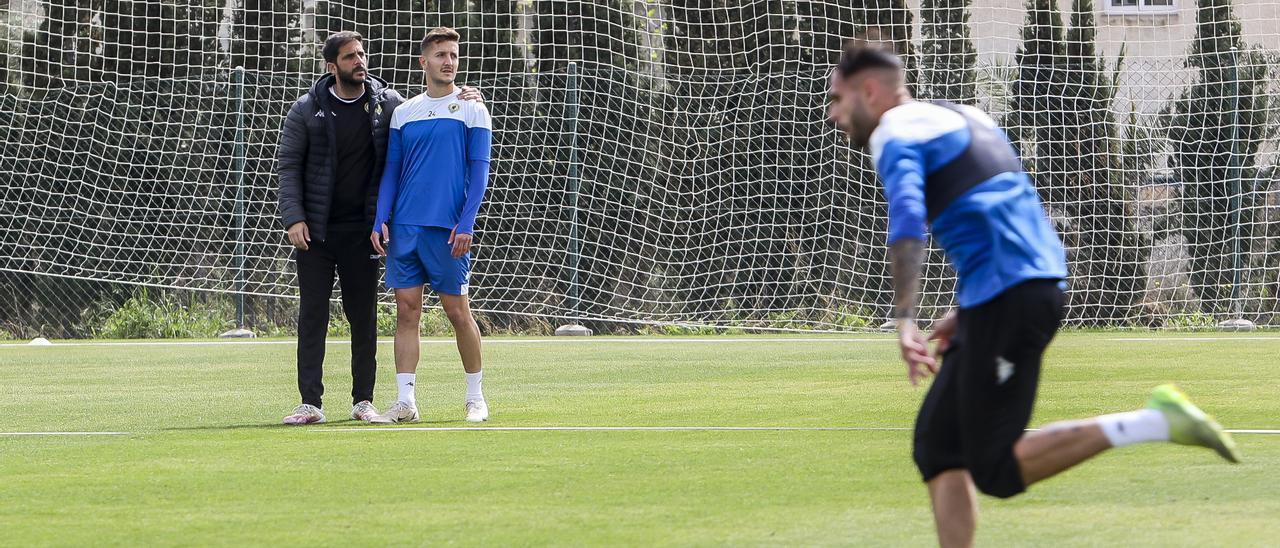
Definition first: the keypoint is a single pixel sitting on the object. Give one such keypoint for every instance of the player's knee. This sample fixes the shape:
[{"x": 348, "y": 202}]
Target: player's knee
[
  {"x": 997, "y": 476},
  {"x": 408, "y": 312},
  {"x": 457, "y": 313}
]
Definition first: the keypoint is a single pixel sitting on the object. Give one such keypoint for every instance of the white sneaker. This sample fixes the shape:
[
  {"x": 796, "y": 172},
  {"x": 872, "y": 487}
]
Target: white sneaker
[
  {"x": 305, "y": 414},
  {"x": 364, "y": 411},
  {"x": 399, "y": 412},
  {"x": 477, "y": 411}
]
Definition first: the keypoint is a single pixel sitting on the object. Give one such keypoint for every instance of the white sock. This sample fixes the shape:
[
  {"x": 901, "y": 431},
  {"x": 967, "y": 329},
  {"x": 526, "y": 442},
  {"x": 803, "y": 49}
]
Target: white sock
[
  {"x": 1134, "y": 427},
  {"x": 406, "y": 381},
  {"x": 473, "y": 386}
]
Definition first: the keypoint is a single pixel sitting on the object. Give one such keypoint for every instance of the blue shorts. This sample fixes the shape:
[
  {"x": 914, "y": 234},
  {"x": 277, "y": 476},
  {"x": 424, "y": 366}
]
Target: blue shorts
[{"x": 418, "y": 255}]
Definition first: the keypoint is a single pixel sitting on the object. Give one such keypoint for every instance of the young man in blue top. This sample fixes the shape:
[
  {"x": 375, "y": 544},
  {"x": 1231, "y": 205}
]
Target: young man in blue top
[
  {"x": 435, "y": 178},
  {"x": 948, "y": 169}
]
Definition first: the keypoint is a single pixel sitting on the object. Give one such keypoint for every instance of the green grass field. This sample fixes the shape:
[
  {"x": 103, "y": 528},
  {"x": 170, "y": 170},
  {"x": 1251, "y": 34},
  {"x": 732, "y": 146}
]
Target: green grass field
[{"x": 203, "y": 462}]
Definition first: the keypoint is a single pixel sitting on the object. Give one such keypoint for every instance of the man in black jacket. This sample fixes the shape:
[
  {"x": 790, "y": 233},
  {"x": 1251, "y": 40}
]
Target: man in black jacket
[{"x": 331, "y": 155}]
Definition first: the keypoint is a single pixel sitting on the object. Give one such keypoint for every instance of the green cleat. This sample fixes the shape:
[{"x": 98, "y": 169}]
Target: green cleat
[{"x": 1188, "y": 425}]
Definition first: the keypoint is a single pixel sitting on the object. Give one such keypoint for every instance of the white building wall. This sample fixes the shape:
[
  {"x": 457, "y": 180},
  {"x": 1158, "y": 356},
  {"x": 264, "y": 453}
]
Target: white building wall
[{"x": 1156, "y": 45}]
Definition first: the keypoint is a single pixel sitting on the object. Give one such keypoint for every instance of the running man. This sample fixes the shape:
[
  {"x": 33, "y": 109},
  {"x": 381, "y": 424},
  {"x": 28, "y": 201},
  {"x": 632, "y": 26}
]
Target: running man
[{"x": 948, "y": 169}]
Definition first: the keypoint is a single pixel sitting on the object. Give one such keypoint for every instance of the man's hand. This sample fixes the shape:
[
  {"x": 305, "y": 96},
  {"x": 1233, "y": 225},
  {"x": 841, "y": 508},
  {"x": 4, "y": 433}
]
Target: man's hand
[
  {"x": 461, "y": 243},
  {"x": 943, "y": 330},
  {"x": 300, "y": 236},
  {"x": 915, "y": 351},
  {"x": 378, "y": 238},
  {"x": 471, "y": 94}
]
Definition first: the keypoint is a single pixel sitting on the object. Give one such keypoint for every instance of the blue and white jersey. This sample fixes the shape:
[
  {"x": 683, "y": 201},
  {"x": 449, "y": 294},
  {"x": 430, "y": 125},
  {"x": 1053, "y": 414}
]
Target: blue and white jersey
[
  {"x": 437, "y": 163},
  {"x": 949, "y": 166}
]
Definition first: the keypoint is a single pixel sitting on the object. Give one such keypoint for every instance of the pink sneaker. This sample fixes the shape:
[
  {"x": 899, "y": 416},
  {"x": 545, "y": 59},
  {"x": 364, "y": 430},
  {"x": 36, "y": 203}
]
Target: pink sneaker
[
  {"x": 305, "y": 414},
  {"x": 364, "y": 411}
]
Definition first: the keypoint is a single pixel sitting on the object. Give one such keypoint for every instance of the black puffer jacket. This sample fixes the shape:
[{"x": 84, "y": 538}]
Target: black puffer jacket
[{"x": 306, "y": 162}]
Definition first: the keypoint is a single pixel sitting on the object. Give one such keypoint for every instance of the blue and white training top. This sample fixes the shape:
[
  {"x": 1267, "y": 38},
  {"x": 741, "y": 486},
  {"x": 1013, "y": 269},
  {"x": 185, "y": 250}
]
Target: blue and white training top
[
  {"x": 951, "y": 166},
  {"x": 437, "y": 163}
]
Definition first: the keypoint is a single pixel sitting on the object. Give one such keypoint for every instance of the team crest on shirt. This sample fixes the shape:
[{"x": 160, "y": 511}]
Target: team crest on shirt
[
  {"x": 453, "y": 107},
  {"x": 366, "y": 107}
]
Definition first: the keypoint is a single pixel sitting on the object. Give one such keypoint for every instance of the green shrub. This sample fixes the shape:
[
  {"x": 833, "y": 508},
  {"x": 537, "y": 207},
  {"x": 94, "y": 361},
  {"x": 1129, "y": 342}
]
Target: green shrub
[
  {"x": 271, "y": 330},
  {"x": 849, "y": 318},
  {"x": 434, "y": 322},
  {"x": 163, "y": 317},
  {"x": 679, "y": 330},
  {"x": 1190, "y": 322}
]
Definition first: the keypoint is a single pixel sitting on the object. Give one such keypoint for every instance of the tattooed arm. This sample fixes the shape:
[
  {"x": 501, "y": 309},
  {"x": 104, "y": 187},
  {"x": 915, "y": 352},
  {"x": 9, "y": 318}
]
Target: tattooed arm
[{"x": 907, "y": 257}]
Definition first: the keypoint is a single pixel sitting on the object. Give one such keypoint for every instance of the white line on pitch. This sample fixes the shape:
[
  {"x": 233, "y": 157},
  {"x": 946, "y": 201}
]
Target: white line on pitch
[
  {"x": 665, "y": 429},
  {"x": 1189, "y": 339},
  {"x": 64, "y": 433},
  {"x": 486, "y": 341},
  {"x": 622, "y": 429}
]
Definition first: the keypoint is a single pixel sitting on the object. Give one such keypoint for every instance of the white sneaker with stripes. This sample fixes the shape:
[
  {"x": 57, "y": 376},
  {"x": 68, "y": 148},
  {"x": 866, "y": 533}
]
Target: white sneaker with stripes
[
  {"x": 477, "y": 411},
  {"x": 399, "y": 412}
]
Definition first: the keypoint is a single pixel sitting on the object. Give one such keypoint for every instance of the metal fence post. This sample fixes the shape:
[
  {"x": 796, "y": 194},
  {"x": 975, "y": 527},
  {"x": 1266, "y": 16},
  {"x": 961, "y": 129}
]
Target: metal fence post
[
  {"x": 238, "y": 153},
  {"x": 574, "y": 297}
]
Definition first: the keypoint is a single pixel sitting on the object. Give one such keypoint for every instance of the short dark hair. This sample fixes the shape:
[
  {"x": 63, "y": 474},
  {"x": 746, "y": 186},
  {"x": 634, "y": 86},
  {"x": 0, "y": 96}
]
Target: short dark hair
[
  {"x": 859, "y": 56},
  {"x": 337, "y": 41},
  {"x": 440, "y": 34}
]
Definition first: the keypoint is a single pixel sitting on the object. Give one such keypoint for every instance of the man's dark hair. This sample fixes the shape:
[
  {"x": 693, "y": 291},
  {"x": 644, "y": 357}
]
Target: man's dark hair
[
  {"x": 337, "y": 41},
  {"x": 440, "y": 34},
  {"x": 859, "y": 56}
]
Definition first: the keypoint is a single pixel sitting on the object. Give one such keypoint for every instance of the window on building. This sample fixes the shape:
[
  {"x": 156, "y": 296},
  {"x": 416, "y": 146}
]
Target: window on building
[{"x": 1139, "y": 6}]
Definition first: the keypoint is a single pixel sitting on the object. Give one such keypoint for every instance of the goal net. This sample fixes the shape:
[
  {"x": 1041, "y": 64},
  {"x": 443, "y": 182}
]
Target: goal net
[{"x": 655, "y": 162}]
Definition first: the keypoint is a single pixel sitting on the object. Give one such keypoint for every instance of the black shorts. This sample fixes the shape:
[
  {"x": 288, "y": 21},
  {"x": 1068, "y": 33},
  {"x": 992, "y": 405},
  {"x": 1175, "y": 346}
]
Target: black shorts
[{"x": 980, "y": 403}]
